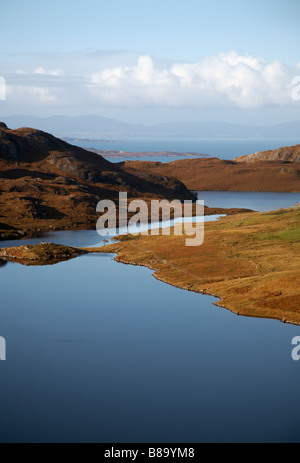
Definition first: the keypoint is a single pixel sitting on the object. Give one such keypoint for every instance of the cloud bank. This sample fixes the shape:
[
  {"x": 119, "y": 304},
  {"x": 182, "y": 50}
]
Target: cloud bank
[{"x": 224, "y": 80}]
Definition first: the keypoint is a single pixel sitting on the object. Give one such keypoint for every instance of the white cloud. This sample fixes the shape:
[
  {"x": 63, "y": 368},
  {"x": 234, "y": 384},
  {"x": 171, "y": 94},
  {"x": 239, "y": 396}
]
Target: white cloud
[
  {"x": 228, "y": 79},
  {"x": 121, "y": 80},
  {"x": 31, "y": 94},
  {"x": 41, "y": 70}
]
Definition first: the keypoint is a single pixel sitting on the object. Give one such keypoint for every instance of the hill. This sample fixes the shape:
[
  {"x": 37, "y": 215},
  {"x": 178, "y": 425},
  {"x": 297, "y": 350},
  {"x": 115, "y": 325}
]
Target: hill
[
  {"x": 246, "y": 173},
  {"x": 285, "y": 154},
  {"x": 48, "y": 183}
]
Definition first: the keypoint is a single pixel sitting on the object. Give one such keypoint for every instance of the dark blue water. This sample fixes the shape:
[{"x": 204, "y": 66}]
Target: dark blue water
[
  {"x": 99, "y": 351},
  {"x": 223, "y": 148},
  {"x": 257, "y": 201}
]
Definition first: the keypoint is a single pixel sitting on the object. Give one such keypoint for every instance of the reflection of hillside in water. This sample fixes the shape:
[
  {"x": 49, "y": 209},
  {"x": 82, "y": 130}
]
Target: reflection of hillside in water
[{"x": 2, "y": 262}]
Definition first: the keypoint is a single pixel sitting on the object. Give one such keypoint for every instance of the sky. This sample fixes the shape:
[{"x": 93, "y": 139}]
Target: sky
[{"x": 152, "y": 61}]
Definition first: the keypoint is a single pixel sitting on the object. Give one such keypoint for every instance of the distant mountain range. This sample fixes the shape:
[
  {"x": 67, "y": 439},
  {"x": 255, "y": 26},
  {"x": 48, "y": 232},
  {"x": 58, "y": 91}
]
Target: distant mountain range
[{"x": 95, "y": 127}]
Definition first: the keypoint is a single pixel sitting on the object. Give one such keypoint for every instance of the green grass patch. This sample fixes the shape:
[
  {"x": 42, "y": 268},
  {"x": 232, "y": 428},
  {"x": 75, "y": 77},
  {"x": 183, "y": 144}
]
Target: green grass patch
[{"x": 287, "y": 235}]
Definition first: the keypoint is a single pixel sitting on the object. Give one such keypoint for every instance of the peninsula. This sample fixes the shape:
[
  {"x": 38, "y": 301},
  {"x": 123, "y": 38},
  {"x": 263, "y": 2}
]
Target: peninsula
[
  {"x": 274, "y": 170},
  {"x": 251, "y": 261}
]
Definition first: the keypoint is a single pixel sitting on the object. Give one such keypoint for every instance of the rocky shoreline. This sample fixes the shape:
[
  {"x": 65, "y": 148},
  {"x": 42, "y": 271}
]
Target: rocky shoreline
[{"x": 40, "y": 254}]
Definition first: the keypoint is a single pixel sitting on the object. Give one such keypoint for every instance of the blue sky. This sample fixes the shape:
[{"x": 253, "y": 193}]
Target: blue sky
[{"x": 150, "y": 59}]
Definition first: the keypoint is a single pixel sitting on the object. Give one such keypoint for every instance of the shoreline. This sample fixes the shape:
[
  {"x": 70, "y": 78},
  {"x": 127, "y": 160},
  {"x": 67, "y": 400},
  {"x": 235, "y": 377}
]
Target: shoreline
[
  {"x": 248, "y": 261},
  {"x": 10, "y": 233},
  {"x": 259, "y": 280},
  {"x": 203, "y": 292},
  {"x": 49, "y": 254}
]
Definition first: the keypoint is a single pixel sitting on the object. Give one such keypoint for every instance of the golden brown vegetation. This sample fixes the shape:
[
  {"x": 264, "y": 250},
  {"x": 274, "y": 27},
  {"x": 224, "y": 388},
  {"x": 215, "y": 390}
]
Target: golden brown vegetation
[
  {"x": 41, "y": 254},
  {"x": 251, "y": 261},
  {"x": 46, "y": 183},
  {"x": 217, "y": 174}
]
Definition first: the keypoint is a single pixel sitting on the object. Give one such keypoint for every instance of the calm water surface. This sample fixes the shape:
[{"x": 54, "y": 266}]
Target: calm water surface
[
  {"x": 221, "y": 148},
  {"x": 100, "y": 351},
  {"x": 257, "y": 201}
]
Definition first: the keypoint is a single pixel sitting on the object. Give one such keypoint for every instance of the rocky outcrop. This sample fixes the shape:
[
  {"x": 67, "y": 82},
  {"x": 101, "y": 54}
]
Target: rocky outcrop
[
  {"x": 284, "y": 154},
  {"x": 42, "y": 254}
]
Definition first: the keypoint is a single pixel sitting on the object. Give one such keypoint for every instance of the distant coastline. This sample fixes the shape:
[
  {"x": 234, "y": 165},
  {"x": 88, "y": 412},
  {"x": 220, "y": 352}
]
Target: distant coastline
[
  {"x": 88, "y": 140},
  {"x": 144, "y": 154}
]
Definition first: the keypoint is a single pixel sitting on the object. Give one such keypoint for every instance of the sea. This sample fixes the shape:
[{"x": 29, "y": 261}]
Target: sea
[{"x": 221, "y": 148}]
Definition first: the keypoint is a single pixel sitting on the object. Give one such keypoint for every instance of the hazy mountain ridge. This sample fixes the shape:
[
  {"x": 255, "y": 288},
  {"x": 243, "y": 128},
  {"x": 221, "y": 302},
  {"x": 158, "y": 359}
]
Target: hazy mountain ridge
[{"x": 94, "y": 126}]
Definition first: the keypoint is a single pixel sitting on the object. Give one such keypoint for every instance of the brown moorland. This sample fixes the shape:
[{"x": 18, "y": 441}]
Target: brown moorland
[
  {"x": 41, "y": 254},
  {"x": 251, "y": 261},
  {"x": 277, "y": 170},
  {"x": 46, "y": 183},
  {"x": 285, "y": 154}
]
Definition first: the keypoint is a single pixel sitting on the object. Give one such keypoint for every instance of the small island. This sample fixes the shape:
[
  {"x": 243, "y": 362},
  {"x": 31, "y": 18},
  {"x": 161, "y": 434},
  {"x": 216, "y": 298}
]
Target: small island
[{"x": 40, "y": 254}]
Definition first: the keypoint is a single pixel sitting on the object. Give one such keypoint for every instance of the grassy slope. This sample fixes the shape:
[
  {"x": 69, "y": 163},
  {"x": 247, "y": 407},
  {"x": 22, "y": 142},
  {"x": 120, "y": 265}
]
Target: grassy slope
[
  {"x": 251, "y": 261},
  {"x": 218, "y": 175}
]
